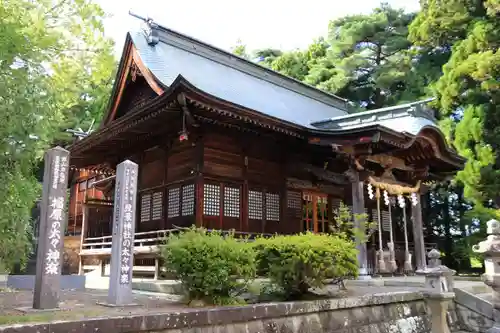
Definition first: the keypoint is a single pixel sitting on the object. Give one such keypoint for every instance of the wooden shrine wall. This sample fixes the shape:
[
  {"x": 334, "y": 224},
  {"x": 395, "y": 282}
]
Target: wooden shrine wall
[
  {"x": 80, "y": 189},
  {"x": 243, "y": 184},
  {"x": 223, "y": 180},
  {"x": 233, "y": 181},
  {"x": 166, "y": 187}
]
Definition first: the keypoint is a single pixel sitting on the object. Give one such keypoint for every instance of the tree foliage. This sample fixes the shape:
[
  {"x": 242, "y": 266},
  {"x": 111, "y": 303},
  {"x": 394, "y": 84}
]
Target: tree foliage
[
  {"x": 469, "y": 90},
  {"x": 50, "y": 76}
]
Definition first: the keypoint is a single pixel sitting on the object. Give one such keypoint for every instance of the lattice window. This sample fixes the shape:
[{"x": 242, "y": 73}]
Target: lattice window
[
  {"x": 173, "y": 202},
  {"x": 211, "y": 199},
  {"x": 294, "y": 200},
  {"x": 255, "y": 205},
  {"x": 188, "y": 200},
  {"x": 157, "y": 213},
  {"x": 272, "y": 207},
  {"x": 146, "y": 207},
  {"x": 384, "y": 215},
  {"x": 231, "y": 202}
]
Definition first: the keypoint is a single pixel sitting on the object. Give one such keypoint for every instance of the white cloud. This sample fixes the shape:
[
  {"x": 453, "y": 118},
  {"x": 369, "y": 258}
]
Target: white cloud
[{"x": 272, "y": 23}]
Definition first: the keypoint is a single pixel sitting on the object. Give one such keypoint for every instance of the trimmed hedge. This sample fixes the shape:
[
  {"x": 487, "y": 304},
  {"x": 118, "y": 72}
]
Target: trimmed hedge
[
  {"x": 297, "y": 263},
  {"x": 212, "y": 267},
  {"x": 217, "y": 269}
]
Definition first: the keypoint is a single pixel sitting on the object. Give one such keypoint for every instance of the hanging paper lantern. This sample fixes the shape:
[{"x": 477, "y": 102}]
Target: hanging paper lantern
[
  {"x": 401, "y": 201},
  {"x": 386, "y": 198},
  {"x": 414, "y": 199},
  {"x": 370, "y": 191}
]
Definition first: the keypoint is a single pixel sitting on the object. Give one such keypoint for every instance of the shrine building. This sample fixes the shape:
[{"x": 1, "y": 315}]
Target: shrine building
[{"x": 224, "y": 143}]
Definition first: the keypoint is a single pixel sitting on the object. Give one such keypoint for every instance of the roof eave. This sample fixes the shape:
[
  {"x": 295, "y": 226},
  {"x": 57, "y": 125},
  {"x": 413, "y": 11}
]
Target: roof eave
[
  {"x": 117, "y": 82},
  {"x": 406, "y": 110}
]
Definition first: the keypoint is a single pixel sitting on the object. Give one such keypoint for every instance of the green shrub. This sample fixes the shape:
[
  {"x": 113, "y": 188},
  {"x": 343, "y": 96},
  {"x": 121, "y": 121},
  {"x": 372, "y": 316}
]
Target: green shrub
[
  {"x": 342, "y": 225},
  {"x": 212, "y": 268},
  {"x": 297, "y": 263}
]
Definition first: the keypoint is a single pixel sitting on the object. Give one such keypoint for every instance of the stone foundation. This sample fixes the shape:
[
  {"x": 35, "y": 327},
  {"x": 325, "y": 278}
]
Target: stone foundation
[{"x": 403, "y": 312}]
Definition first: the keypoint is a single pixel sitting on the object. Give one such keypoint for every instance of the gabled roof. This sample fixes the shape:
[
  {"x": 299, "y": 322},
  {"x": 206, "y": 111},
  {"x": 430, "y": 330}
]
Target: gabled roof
[
  {"x": 234, "y": 79},
  {"x": 405, "y": 118}
]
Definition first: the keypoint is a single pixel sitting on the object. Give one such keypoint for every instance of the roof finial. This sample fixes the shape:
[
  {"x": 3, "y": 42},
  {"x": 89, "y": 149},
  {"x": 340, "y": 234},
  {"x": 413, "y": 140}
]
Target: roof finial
[{"x": 148, "y": 28}]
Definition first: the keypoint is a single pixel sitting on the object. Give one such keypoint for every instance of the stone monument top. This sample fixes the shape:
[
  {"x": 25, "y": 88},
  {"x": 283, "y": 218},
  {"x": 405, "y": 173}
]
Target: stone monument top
[{"x": 490, "y": 246}]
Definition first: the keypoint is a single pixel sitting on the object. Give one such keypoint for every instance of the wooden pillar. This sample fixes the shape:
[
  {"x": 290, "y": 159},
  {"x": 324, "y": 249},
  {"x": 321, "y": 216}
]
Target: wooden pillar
[
  {"x": 199, "y": 186},
  {"x": 83, "y": 231},
  {"x": 264, "y": 211},
  {"x": 157, "y": 268},
  {"x": 315, "y": 212},
  {"x": 418, "y": 235},
  {"x": 358, "y": 207},
  {"x": 166, "y": 152},
  {"x": 102, "y": 266}
]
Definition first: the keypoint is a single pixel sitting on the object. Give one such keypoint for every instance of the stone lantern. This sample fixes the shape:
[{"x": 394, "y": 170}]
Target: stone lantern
[
  {"x": 438, "y": 291},
  {"x": 438, "y": 278},
  {"x": 490, "y": 248}
]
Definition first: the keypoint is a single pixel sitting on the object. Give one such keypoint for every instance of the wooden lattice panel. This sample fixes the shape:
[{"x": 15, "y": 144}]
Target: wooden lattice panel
[
  {"x": 211, "y": 199},
  {"x": 272, "y": 207},
  {"x": 386, "y": 225},
  {"x": 255, "y": 205},
  {"x": 231, "y": 202},
  {"x": 157, "y": 212},
  {"x": 146, "y": 207},
  {"x": 188, "y": 200},
  {"x": 173, "y": 202},
  {"x": 294, "y": 200}
]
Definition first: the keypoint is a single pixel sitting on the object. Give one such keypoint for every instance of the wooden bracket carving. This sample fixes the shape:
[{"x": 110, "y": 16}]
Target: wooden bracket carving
[
  {"x": 134, "y": 71},
  {"x": 181, "y": 99}
]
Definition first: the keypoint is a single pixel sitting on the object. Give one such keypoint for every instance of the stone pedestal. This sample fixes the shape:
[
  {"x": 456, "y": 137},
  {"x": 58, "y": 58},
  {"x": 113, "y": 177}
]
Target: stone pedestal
[
  {"x": 439, "y": 291},
  {"x": 437, "y": 304},
  {"x": 491, "y": 277}
]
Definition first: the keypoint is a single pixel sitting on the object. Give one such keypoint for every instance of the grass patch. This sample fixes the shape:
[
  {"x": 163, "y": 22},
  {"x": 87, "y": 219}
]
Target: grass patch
[{"x": 17, "y": 318}]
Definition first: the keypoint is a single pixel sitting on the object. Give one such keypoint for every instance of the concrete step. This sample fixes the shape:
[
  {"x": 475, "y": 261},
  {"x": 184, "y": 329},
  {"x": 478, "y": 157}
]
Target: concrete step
[{"x": 171, "y": 287}]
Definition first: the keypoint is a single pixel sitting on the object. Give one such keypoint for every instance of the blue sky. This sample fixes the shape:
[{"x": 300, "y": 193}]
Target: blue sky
[{"x": 271, "y": 23}]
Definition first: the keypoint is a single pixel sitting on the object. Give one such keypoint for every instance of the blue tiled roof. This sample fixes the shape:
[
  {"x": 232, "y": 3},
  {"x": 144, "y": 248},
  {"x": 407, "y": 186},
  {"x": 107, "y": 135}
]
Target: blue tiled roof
[
  {"x": 167, "y": 59},
  {"x": 235, "y": 80},
  {"x": 409, "y": 118}
]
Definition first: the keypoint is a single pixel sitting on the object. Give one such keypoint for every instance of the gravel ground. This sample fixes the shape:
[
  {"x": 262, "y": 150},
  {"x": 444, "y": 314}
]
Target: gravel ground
[{"x": 78, "y": 305}]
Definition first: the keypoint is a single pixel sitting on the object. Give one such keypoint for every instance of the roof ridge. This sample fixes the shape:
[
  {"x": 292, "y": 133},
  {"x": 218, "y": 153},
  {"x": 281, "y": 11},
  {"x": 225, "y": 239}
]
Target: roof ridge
[
  {"x": 268, "y": 74},
  {"x": 379, "y": 111}
]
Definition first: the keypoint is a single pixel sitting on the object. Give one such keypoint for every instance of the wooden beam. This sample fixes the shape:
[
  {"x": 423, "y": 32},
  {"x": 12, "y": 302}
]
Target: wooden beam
[
  {"x": 146, "y": 73},
  {"x": 122, "y": 80}
]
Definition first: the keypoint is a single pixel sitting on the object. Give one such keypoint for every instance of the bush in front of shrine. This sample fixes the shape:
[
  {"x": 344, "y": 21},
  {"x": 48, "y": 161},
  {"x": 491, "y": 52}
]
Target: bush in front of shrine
[
  {"x": 213, "y": 268},
  {"x": 297, "y": 263}
]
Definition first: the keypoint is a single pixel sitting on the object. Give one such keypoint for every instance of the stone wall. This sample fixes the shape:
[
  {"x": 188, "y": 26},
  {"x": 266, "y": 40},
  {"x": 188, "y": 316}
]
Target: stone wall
[{"x": 402, "y": 312}]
